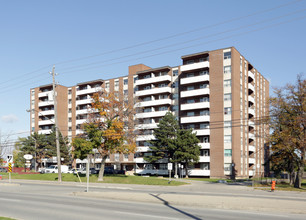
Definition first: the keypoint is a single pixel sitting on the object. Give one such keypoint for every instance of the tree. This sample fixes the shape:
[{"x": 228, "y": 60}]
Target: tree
[
  {"x": 179, "y": 145},
  {"x": 188, "y": 149},
  {"x": 109, "y": 129},
  {"x": 287, "y": 123}
]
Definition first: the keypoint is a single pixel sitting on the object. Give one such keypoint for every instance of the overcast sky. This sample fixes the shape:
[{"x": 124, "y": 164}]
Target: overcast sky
[{"x": 98, "y": 39}]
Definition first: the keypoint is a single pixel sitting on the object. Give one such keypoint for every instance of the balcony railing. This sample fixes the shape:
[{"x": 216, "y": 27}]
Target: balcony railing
[
  {"x": 194, "y": 79},
  {"x": 195, "y": 66}
]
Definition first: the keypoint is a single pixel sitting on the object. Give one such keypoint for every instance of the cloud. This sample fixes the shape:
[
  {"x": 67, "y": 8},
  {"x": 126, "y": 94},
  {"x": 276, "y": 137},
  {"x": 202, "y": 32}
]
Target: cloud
[{"x": 9, "y": 118}]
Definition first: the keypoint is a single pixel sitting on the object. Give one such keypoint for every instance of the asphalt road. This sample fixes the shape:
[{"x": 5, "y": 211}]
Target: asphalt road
[{"x": 47, "y": 201}]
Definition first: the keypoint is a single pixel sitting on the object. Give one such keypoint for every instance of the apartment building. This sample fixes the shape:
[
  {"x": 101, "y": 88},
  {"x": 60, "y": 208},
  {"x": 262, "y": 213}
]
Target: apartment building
[{"x": 218, "y": 94}]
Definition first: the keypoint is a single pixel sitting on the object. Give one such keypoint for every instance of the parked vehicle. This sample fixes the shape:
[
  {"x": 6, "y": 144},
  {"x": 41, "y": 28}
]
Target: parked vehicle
[
  {"x": 3, "y": 170},
  {"x": 111, "y": 170},
  {"x": 93, "y": 171},
  {"x": 54, "y": 169}
]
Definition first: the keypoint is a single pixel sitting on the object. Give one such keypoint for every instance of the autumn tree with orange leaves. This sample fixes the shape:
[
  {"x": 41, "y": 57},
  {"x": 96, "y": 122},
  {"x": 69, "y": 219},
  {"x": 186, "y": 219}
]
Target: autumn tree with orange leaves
[
  {"x": 109, "y": 129},
  {"x": 287, "y": 123}
]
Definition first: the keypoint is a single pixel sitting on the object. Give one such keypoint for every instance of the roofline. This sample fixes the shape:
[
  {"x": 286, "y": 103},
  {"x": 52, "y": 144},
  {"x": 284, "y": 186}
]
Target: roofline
[
  {"x": 154, "y": 69},
  {"x": 92, "y": 81}
]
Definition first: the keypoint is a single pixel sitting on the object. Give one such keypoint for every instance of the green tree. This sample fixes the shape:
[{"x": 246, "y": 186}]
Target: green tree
[
  {"x": 288, "y": 122},
  {"x": 172, "y": 142}
]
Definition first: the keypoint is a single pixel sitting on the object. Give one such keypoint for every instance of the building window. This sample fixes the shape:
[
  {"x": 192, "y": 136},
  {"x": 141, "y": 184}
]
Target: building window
[
  {"x": 204, "y": 72},
  {"x": 227, "y": 138},
  {"x": 69, "y": 92},
  {"x": 126, "y": 156},
  {"x": 227, "y": 152},
  {"x": 175, "y": 96},
  {"x": 190, "y": 114},
  {"x": 190, "y": 62},
  {"x": 135, "y": 79},
  {"x": 205, "y": 153},
  {"x": 163, "y": 108},
  {"x": 204, "y": 125},
  {"x": 163, "y": 166},
  {"x": 227, "y": 69},
  {"x": 125, "y": 81},
  {"x": 189, "y": 101},
  {"x": 228, "y": 97},
  {"x": 203, "y": 86},
  {"x": 204, "y": 112},
  {"x": 107, "y": 85},
  {"x": 227, "y": 124},
  {"x": 204, "y": 99},
  {"x": 228, "y": 111},
  {"x": 125, "y": 92},
  {"x": 228, "y": 83},
  {"x": 175, "y": 108},
  {"x": 204, "y": 139},
  {"x": 227, "y": 55},
  {"x": 147, "y": 110},
  {"x": 189, "y": 88},
  {"x": 175, "y": 84},
  {"x": 205, "y": 166},
  {"x": 175, "y": 72},
  {"x": 190, "y": 75}
]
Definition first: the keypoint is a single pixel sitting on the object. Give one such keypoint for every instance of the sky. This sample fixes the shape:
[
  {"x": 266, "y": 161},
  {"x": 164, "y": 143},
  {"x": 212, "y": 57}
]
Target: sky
[{"x": 98, "y": 39}]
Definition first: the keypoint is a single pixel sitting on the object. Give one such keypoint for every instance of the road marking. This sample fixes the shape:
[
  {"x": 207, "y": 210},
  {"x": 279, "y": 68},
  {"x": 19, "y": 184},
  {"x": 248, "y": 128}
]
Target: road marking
[
  {"x": 151, "y": 216},
  {"x": 10, "y": 200}
]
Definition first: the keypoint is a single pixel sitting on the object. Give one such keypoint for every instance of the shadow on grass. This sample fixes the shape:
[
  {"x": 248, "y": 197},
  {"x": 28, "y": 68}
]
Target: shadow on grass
[{"x": 166, "y": 203}]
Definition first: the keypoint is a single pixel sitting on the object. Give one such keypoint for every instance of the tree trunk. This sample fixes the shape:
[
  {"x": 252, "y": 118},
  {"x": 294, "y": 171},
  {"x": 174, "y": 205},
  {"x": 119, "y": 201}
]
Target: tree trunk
[
  {"x": 101, "y": 172},
  {"x": 291, "y": 178}
]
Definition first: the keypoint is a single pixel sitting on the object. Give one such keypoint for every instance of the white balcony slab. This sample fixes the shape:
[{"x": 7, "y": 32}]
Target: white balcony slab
[
  {"x": 194, "y": 172},
  {"x": 194, "y": 66},
  {"x": 252, "y": 123},
  {"x": 79, "y": 131},
  {"x": 146, "y": 126},
  {"x": 251, "y": 99},
  {"x": 194, "y": 79},
  {"x": 46, "y": 122},
  {"x": 80, "y": 121},
  {"x": 251, "y": 75},
  {"x": 251, "y": 111},
  {"x": 145, "y": 137},
  {"x": 204, "y": 159},
  {"x": 251, "y": 136},
  {"x": 155, "y": 102},
  {"x": 251, "y": 148},
  {"x": 153, "y": 80},
  {"x": 153, "y": 91},
  {"x": 193, "y": 119},
  {"x": 88, "y": 91},
  {"x": 143, "y": 149},
  {"x": 82, "y": 112},
  {"x": 151, "y": 114},
  {"x": 82, "y": 102},
  {"x": 49, "y": 112},
  {"x": 195, "y": 92},
  {"x": 227, "y": 159},
  {"x": 139, "y": 160},
  {"x": 201, "y": 132},
  {"x": 204, "y": 145},
  {"x": 48, "y": 131},
  {"x": 251, "y": 160},
  {"x": 251, "y": 173},
  {"x": 45, "y": 103},
  {"x": 251, "y": 87},
  {"x": 198, "y": 105},
  {"x": 43, "y": 94}
]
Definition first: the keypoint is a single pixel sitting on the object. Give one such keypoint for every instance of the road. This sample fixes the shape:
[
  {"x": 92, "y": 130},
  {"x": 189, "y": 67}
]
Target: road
[{"x": 36, "y": 200}]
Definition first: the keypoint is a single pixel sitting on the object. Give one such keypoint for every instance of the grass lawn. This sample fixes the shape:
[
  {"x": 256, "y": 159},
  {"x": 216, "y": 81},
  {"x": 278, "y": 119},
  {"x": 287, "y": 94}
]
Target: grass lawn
[
  {"x": 5, "y": 218},
  {"x": 282, "y": 187},
  {"x": 121, "y": 179}
]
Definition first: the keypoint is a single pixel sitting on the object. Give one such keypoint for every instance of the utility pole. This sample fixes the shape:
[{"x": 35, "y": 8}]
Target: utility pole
[{"x": 58, "y": 153}]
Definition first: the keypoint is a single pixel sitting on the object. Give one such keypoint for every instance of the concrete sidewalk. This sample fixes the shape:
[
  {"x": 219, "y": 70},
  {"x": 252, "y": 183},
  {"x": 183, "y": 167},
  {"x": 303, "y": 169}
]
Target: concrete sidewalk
[{"x": 217, "y": 202}]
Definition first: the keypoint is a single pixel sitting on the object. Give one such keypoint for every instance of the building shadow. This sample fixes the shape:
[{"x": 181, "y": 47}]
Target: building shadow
[{"x": 166, "y": 203}]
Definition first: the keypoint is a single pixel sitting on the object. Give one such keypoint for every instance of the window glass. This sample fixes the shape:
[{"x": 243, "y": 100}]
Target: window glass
[
  {"x": 227, "y": 97},
  {"x": 125, "y": 81},
  {"x": 175, "y": 72},
  {"x": 227, "y": 152},
  {"x": 190, "y": 113},
  {"x": 227, "y": 69},
  {"x": 227, "y": 55},
  {"x": 228, "y": 83},
  {"x": 227, "y": 138}
]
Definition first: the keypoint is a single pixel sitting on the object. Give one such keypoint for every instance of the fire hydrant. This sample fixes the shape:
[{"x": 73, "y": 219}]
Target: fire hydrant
[{"x": 273, "y": 186}]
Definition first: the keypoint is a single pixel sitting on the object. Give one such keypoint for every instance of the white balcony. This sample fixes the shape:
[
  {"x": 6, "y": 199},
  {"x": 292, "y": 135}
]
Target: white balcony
[
  {"x": 251, "y": 148},
  {"x": 251, "y": 173},
  {"x": 46, "y": 122},
  {"x": 79, "y": 131},
  {"x": 202, "y": 132},
  {"x": 151, "y": 114},
  {"x": 195, "y": 172},
  {"x": 251, "y": 136},
  {"x": 195, "y": 66},
  {"x": 139, "y": 160},
  {"x": 80, "y": 121},
  {"x": 204, "y": 145},
  {"x": 81, "y": 112},
  {"x": 194, "y": 79},
  {"x": 155, "y": 102},
  {"x": 194, "y": 119},
  {"x": 251, "y": 160},
  {"x": 49, "y": 112},
  {"x": 251, "y": 75},
  {"x": 251, "y": 99},
  {"x": 43, "y": 94},
  {"x": 153, "y": 91},
  {"x": 204, "y": 159},
  {"x": 251, "y": 111},
  {"x": 145, "y": 137},
  {"x": 88, "y": 91},
  {"x": 251, "y": 123},
  {"x": 143, "y": 149},
  {"x": 83, "y": 102},
  {"x": 198, "y": 105},
  {"x": 153, "y": 80},
  {"x": 195, "y": 92},
  {"x": 251, "y": 87},
  {"x": 146, "y": 126},
  {"x": 48, "y": 131},
  {"x": 45, "y": 103}
]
